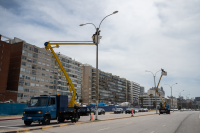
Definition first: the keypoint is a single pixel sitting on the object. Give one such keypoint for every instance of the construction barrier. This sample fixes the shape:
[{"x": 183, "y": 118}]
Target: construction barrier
[{"x": 12, "y": 108}]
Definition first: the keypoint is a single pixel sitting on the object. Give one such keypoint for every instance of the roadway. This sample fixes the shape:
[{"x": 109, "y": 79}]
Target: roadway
[
  {"x": 178, "y": 122},
  {"x": 16, "y": 124}
]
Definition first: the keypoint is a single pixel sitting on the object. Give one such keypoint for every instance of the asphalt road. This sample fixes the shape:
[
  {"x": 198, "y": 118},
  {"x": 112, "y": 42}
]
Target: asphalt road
[
  {"x": 178, "y": 122},
  {"x": 16, "y": 124}
]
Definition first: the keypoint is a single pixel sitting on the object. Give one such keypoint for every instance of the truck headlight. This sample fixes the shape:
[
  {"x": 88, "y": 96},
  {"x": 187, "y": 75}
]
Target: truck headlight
[
  {"x": 24, "y": 112},
  {"x": 39, "y": 112}
]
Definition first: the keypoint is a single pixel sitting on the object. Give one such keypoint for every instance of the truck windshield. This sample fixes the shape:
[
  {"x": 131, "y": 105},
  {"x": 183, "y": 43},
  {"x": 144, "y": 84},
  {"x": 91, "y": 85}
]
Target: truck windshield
[{"x": 38, "y": 101}]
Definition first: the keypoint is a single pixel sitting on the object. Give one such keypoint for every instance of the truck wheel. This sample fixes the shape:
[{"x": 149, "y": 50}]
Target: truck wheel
[
  {"x": 46, "y": 120},
  {"x": 27, "y": 123}
]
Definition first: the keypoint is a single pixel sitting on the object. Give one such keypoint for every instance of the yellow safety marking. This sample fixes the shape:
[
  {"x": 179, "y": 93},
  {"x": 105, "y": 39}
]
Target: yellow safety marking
[
  {"x": 25, "y": 130},
  {"x": 63, "y": 125},
  {"x": 77, "y": 123},
  {"x": 47, "y": 127},
  {"x": 70, "y": 41}
]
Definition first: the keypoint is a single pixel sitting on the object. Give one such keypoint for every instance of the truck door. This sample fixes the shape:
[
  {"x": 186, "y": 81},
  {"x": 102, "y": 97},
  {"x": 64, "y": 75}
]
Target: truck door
[{"x": 52, "y": 107}]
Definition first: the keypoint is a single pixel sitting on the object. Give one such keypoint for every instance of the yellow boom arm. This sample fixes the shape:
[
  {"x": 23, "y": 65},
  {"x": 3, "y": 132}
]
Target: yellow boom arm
[
  {"x": 48, "y": 46},
  {"x": 164, "y": 103}
]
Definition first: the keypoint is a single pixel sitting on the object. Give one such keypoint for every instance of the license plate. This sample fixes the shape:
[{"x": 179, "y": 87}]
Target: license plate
[{"x": 29, "y": 118}]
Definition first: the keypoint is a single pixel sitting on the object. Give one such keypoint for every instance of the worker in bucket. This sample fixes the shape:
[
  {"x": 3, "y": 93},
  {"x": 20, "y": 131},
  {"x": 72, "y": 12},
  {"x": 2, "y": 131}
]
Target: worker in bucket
[{"x": 93, "y": 37}]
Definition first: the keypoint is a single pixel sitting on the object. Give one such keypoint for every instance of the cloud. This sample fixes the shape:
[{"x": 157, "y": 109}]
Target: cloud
[{"x": 144, "y": 35}]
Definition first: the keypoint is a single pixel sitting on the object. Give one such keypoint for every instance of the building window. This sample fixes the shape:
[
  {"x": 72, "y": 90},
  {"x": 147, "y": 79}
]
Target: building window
[
  {"x": 19, "y": 95},
  {"x": 47, "y": 75},
  {"x": 43, "y": 63},
  {"x": 26, "y": 90},
  {"x": 27, "y": 83},
  {"x": 23, "y": 69},
  {"x": 32, "y": 90},
  {"x": 44, "y": 53},
  {"x": 30, "y": 48},
  {"x": 42, "y": 79},
  {"x": 27, "y": 77},
  {"x": 47, "y": 64},
  {"x": 32, "y": 78},
  {"x": 47, "y": 86},
  {"x": 40, "y": 51},
  {"x": 33, "y": 72},
  {"x": 36, "y": 50},
  {"x": 24, "y": 52},
  {"x": 23, "y": 63},
  {"x": 47, "y": 70},
  {"x": 38, "y": 73},
  {"x": 35, "y": 56},
  {"x": 28, "y": 71},
  {"x": 25, "y": 46},
  {"x": 48, "y": 60},
  {"x": 20, "y": 88},
  {"x": 43, "y": 74},
  {"x": 29, "y": 65},
  {"x": 38, "y": 79},
  {"x": 51, "y": 76},
  {"x": 43, "y": 69},
  {"x": 21, "y": 82},
  {"x": 22, "y": 76},
  {"x": 32, "y": 84},
  {"x": 29, "y": 60},
  {"x": 26, "y": 96},
  {"x": 37, "y": 85},
  {"x": 42, "y": 85},
  {"x": 29, "y": 54},
  {"x": 39, "y": 62},
  {"x": 34, "y": 61},
  {"x": 24, "y": 57},
  {"x": 45, "y": 91},
  {"x": 36, "y": 91},
  {"x": 47, "y": 80}
]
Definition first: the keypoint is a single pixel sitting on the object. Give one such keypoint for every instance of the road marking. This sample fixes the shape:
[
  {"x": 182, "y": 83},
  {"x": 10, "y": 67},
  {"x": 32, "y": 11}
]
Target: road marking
[
  {"x": 3, "y": 126},
  {"x": 152, "y": 132},
  {"x": 129, "y": 123},
  {"x": 104, "y": 129}
]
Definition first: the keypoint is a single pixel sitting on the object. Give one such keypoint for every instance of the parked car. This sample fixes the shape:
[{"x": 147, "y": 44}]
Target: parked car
[
  {"x": 145, "y": 110},
  {"x": 118, "y": 111},
  {"x": 141, "y": 110},
  {"x": 136, "y": 110},
  {"x": 129, "y": 110},
  {"x": 100, "y": 111}
]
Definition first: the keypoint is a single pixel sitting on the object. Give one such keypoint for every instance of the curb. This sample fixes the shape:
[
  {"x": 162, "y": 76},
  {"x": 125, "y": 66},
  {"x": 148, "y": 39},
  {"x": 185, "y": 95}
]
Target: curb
[
  {"x": 62, "y": 125},
  {"x": 9, "y": 119}
]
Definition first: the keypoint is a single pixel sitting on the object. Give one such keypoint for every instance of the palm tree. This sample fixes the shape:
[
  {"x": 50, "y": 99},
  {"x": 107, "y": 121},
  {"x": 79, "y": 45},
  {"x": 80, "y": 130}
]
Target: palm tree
[
  {"x": 154, "y": 104},
  {"x": 141, "y": 99},
  {"x": 151, "y": 95}
]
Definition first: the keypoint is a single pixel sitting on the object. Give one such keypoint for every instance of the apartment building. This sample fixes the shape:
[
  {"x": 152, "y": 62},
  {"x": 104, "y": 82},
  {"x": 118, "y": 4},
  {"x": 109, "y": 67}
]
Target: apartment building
[
  {"x": 136, "y": 92},
  {"x": 112, "y": 88},
  {"x": 33, "y": 71}
]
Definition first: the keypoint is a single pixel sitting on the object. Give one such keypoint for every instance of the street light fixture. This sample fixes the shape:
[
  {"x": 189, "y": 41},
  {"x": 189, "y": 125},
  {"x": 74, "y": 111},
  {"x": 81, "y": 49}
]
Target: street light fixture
[
  {"x": 154, "y": 75},
  {"x": 97, "y": 72},
  {"x": 171, "y": 95},
  {"x": 180, "y": 95}
]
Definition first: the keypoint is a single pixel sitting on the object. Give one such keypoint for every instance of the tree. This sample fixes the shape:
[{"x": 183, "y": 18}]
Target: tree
[
  {"x": 154, "y": 104},
  {"x": 179, "y": 107},
  {"x": 141, "y": 99},
  {"x": 151, "y": 95}
]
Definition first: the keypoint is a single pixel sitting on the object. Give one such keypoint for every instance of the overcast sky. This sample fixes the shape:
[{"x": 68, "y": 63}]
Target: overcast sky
[{"x": 143, "y": 35}]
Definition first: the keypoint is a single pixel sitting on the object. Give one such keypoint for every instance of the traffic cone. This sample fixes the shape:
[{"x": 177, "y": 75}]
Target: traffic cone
[
  {"x": 159, "y": 113},
  {"x": 169, "y": 112},
  {"x": 91, "y": 117}
]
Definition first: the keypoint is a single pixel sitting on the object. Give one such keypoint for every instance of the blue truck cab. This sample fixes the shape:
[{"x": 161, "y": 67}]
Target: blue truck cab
[
  {"x": 165, "y": 110},
  {"x": 46, "y": 108}
]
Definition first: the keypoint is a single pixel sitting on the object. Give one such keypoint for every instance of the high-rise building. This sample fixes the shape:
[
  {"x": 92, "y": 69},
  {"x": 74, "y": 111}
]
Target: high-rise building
[
  {"x": 112, "y": 88},
  {"x": 33, "y": 72},
  {"x": 142, "y": 90},
  {"x": 136, "y": 92}
]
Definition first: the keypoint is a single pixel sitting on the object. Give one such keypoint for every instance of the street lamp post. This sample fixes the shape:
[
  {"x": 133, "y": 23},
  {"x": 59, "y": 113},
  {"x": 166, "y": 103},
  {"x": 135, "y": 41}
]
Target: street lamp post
[
  {"x": 186, "y": 97},
  {"x": 154, "y": 75},
  {"x": 180, "y": 96},
  {"x": 97, "y": 72},
  {"x": 171, "y": 95}
]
